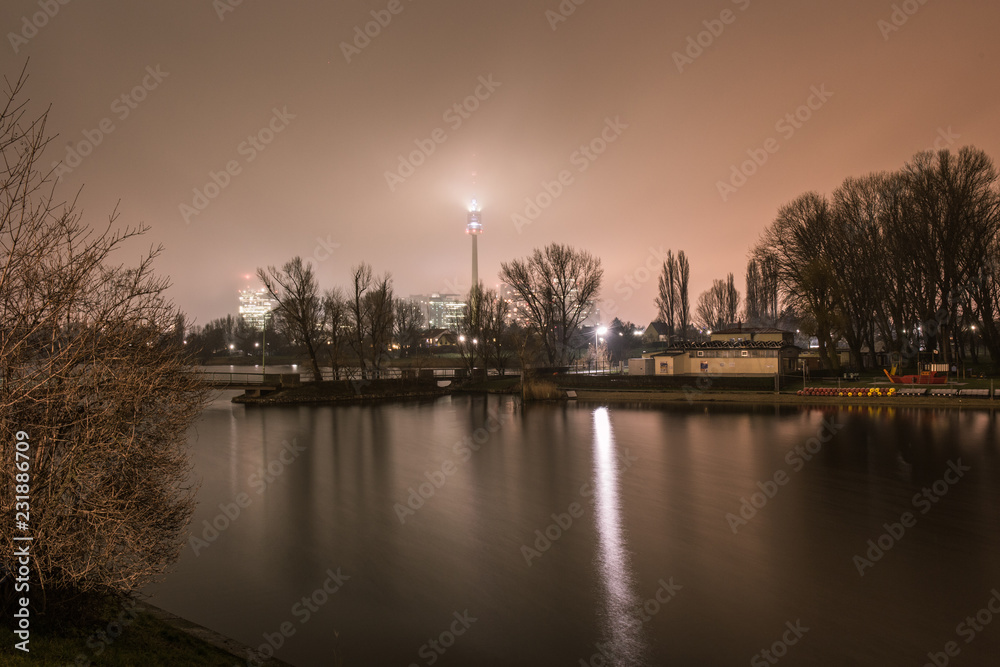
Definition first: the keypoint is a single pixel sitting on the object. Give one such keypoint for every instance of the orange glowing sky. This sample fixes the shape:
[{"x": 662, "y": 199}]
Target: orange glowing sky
[{"x": 319, "y": 189}]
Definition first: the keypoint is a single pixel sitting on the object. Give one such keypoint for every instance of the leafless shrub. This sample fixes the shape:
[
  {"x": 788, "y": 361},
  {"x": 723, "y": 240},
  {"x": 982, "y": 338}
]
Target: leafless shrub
[{"x": 90, "y": 370}]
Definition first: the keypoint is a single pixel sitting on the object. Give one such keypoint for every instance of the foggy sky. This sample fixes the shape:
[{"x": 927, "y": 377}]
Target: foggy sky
[{"x": 881, "y": 88}]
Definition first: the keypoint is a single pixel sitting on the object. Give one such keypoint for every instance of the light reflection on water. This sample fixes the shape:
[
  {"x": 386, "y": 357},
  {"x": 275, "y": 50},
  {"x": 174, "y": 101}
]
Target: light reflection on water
[{"x": 623, "y": 629}]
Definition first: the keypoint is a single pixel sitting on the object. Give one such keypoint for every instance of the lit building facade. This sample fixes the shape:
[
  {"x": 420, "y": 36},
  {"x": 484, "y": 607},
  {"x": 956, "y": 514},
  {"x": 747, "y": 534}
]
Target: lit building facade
[
  {"x": 254, "y": 307},
  {"x": 441, "y": 311}
]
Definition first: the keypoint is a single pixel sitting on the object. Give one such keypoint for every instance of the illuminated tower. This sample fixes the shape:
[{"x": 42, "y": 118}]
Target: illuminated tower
[{"x": 474, "y": 228}]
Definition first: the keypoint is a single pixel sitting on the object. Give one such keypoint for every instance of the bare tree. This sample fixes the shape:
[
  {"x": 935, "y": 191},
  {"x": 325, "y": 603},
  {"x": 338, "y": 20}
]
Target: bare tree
[
  {"x": 498, "y": 346},
  {"x": 559, "y": 285},
  {"x": 730, "y": 301},
  {"x": 484, "y": 333},
  {"x": 667, "y": 298},
  {"x": 752, "y": 309},
  {"x": 361, "y": 281},
  {"x": 799, "y": 239},
  {"x": 336, "y": 327},
  {"x": 719, "y": 305},
  {"x": 408, "y": 323},
  {"x": 379, "y": 317},
  {"x": 92, "y": 376},
  {"x": 299, "y": 309},
  {"x": 760, "y": 304},
  {"x": 370, "y": 314},
  {"x": 709, "y": 310},
  {"x": 683, "y": 316},
  {"x": 470, "y": 340},
  {"x": 955, "y": 211},
  {"x": 857, "y": 252}
]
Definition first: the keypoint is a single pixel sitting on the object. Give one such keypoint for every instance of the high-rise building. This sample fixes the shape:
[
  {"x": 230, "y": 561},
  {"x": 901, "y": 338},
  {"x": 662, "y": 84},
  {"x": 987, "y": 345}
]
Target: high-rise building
[
  {"x": 441, "y": 311},
  {"x": 517, "y": 308},
  {"x": 474, "y": 228},
  {"x": 254, "y": 307}
]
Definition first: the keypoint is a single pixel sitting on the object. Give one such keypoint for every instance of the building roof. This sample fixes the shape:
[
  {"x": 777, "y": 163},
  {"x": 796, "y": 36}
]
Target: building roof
[
  {"x": 750, "y": 330},
  {"x": 732, "y": 344},
  {"x": 435, "y": 333},
  {"x": 659, "y": 327}
]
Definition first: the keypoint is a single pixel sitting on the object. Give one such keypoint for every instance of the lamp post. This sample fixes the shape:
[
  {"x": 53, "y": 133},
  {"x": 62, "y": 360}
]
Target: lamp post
[
  {"x": 597, "y": 345},
  {"x": 263, "y": 347}
]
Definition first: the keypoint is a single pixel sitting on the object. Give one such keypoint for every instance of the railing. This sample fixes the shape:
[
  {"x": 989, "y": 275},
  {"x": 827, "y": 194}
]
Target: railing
[
  {"x": 233, "y": 378},
  {"x": 219, "y": 378}
]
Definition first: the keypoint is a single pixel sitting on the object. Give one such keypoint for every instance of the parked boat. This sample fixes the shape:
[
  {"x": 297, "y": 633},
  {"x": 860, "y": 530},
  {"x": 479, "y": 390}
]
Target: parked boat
[{"x": 925, "y": 377}]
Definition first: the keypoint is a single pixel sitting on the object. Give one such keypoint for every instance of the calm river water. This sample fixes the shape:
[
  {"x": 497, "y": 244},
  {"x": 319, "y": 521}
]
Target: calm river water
[{"x": 472, "y": 531}]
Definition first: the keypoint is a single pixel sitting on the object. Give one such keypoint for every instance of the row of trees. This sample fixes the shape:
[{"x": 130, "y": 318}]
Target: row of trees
[
  {"x": 906, "y": 258},
  {"x": 898, "y": 261},
  {"x": 557, "y": 284},
  {"x": 672, "y": 302},
  {"x": 719, "y": 306},
  {"x": 362, "y": 320}
]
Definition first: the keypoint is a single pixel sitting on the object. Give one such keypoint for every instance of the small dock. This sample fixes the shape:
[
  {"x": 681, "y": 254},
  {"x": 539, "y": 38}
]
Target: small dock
[{"x": 254, "y": 384}]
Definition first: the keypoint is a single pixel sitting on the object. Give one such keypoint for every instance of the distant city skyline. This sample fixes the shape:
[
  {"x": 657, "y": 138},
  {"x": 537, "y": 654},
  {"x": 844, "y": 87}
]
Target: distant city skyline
[{"x": 248, "y": 135}]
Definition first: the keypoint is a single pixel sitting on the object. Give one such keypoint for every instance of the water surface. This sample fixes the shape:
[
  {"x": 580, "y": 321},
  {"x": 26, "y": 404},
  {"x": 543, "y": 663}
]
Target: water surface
[{"x": 634, "y": 561}]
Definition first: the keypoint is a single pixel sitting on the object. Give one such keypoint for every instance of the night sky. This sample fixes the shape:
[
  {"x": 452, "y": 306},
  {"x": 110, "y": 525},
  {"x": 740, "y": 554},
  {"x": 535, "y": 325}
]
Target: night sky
[{"x": 665, "y": 120}]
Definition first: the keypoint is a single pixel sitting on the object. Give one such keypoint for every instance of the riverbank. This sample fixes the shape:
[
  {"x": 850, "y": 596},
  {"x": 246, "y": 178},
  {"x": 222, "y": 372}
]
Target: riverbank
[
  {"x": 349, "y": 391},
  {"x": 135, "y": 633},
  {"x": 647, "y": 396},
  {"x": 393, "y": 390}
]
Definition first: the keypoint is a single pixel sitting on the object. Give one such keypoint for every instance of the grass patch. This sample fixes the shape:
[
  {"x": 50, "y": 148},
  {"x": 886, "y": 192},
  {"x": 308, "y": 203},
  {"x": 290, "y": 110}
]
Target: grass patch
[
  {"x": 542, "y": 390},
  {"x": 117, "y": 635}
]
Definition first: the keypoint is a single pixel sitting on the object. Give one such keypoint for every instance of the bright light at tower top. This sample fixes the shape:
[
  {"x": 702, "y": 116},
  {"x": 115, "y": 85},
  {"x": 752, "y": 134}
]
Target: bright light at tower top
[{"x": 475, "y": 225}]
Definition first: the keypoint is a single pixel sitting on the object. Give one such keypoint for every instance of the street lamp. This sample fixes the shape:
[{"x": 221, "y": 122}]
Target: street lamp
[
  {"x": 597, "y": 344},
  {"x": 263, "y": 346}
]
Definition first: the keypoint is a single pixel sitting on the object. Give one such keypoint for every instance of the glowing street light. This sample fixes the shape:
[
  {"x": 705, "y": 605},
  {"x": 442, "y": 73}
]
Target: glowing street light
[{"x": 599, "y": 332}]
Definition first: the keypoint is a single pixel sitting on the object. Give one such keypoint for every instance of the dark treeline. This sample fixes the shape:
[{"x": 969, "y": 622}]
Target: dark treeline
[
  {"x": 907, "y": 259},
  {"x": 356, "y": 330}
]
